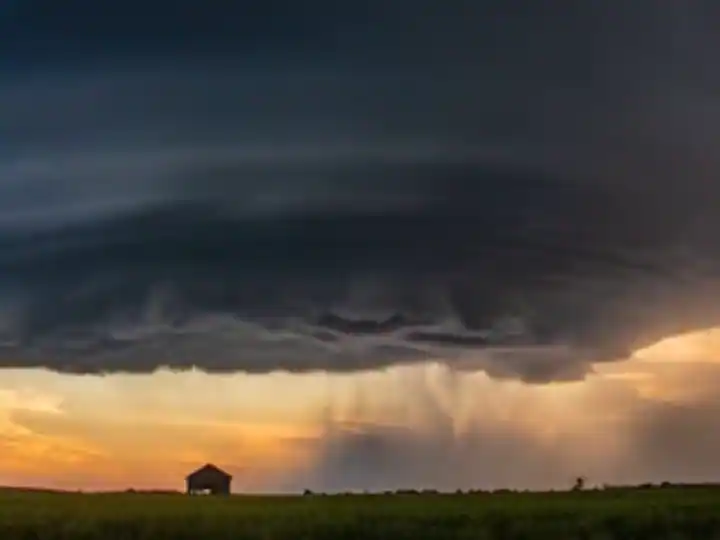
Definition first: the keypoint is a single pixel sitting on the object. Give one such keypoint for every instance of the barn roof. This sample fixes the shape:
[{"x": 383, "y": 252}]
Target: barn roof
[{"x": 209, "y": 469}]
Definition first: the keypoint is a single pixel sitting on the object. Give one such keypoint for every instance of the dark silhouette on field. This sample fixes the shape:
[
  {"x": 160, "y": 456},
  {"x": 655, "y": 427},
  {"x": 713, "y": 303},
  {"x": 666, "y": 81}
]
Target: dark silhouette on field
[
  {"x": 209, "y": 478},
  {"x": 579, "y": 484},
  {"x": 199, "y": 482}
]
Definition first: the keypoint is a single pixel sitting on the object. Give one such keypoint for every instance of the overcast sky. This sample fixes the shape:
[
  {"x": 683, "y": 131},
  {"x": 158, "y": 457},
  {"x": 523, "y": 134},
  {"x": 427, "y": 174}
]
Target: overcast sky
[{"x": 218, "y": 182}]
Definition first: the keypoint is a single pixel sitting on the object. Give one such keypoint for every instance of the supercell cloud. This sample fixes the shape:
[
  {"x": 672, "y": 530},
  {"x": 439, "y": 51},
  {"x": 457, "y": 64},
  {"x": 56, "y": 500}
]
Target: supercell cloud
[{"x": 249, "y": 188}]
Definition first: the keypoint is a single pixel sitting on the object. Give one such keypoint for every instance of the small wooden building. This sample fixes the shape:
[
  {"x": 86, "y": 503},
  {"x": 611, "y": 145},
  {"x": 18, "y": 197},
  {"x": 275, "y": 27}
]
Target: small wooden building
[{"x": 208, "y": 479}]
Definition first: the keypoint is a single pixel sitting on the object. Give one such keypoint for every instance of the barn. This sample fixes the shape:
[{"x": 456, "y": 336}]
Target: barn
[{"x": 208, "y": 479}]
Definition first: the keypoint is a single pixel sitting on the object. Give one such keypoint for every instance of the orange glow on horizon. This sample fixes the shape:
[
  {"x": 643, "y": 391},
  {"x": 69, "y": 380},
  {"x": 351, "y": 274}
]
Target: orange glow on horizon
[{"x": 149, "y": 431}]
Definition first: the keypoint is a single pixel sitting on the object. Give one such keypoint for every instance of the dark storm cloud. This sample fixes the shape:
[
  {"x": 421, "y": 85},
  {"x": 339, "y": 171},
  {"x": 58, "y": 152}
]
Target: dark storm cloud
[
  {"x": 286, "y": 187},
  {"x": 44, "y": 32}
]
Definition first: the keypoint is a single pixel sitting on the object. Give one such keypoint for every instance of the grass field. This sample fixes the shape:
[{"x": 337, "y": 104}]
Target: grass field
[{"x": 628, "y": 514}]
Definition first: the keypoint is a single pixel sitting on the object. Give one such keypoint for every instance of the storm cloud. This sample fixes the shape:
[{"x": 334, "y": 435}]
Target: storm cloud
[{"x": 315, "y": 188}]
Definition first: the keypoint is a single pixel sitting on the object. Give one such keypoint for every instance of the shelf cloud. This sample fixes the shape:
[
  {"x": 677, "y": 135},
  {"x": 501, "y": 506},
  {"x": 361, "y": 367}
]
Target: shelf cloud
[{"x": 309, "y": 188}]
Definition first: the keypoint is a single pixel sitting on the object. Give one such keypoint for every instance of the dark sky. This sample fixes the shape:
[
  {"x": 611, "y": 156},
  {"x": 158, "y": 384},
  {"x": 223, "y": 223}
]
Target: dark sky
[
  {"x": 44, "y": 32},
  {"x": 339, "y": 186}
]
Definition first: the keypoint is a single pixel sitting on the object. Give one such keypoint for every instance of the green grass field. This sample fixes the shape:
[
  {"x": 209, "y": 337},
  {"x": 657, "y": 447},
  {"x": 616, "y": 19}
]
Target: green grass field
[{"x": 653, "y": 514}]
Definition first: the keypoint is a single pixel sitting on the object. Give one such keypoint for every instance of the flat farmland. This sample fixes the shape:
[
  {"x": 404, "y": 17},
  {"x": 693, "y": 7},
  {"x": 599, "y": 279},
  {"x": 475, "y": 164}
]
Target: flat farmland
[{"x": 627, "y": 513}]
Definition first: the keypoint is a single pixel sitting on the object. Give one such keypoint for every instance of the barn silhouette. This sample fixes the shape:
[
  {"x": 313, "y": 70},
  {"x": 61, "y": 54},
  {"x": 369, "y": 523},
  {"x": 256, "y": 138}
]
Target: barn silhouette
[{"x": 208, "y": 479}]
